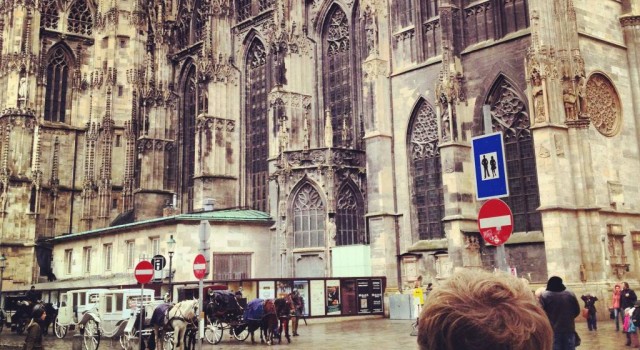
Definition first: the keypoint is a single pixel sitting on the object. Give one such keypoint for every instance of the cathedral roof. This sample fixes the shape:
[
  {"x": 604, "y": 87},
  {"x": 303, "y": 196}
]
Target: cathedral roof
[{"x": 220, "y": 216}]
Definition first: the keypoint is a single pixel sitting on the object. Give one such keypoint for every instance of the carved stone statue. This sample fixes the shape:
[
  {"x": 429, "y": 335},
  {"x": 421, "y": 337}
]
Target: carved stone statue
[
  {"x": 331, "y": 232},
  {"x": 569, "y": 98},
  {"x": 537, "y": 92},
  {"x": 371, "y": 32},
  {"x": 23, "y": 88},
  {"x": 328, "y": 130}
]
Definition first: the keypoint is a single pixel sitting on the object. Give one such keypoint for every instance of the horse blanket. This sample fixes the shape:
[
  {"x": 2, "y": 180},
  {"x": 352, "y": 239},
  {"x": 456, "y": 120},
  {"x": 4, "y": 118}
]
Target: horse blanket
[
  {"x": 254, "y": 310},
  {"x": 160, "y": 315}
]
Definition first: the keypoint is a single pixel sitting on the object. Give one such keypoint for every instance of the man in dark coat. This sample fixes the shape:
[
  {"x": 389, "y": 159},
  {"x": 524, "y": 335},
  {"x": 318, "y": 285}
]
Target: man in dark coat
[
  {"x": 627, "y": 296},
  {"x": 562, "y": 307}
]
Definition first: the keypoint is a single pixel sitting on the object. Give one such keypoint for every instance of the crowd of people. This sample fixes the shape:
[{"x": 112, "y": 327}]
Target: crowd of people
[{"x": 478, "y": 310}]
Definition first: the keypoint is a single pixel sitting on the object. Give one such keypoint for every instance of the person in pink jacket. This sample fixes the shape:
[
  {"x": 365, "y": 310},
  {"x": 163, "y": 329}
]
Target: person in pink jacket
[{"x": 615, "y": 305}]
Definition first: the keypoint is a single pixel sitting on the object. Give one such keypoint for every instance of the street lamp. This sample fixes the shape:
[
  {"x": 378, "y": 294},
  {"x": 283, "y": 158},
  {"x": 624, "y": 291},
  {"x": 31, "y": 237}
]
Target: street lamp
[
  {"x": 171, "y": 246},
  {"x": 3, "y": 264}
]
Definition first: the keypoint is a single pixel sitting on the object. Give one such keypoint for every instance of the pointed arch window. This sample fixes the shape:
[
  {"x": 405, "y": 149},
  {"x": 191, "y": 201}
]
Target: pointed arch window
[
  {"x": 338, "y": 76},
  {"x": 427, "y": 195},
  {"x": 50, "y": 15},
  {"x": 190, "y": 94},
  {"x": 257, "y": 145},
  {"x": 350, "y": 218},
  {"x": 57, "y": 82},
  {"x": 80, "y": 20},
  {"x": 510, "y": 116},
  {"x": 308, "y": 218}
]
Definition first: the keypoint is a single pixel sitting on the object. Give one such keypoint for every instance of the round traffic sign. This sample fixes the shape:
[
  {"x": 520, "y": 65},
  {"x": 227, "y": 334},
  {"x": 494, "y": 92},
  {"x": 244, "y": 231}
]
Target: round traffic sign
[
  {"x": 495, "y": 222},
  {"x": 199, "y": 266},
  {"x": 159, "y": 262},
  {"x": 143, "y": 272}
]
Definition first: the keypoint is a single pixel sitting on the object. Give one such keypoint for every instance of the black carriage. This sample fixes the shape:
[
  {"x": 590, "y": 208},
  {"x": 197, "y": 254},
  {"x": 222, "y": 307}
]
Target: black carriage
[
  {"x": 224, "y": 311},
  {"x": 18, "y": 310}
]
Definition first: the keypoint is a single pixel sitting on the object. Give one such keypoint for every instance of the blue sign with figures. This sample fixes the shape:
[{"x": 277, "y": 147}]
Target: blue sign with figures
[{"x": 490, "y": 166}]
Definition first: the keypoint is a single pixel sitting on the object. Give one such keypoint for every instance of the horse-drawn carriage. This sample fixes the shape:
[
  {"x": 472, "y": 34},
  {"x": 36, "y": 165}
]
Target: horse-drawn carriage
[
  {"x": 18, "y": 309},
  {"x": 97, "y": 313},
  {"x": 223, "y": 311}
]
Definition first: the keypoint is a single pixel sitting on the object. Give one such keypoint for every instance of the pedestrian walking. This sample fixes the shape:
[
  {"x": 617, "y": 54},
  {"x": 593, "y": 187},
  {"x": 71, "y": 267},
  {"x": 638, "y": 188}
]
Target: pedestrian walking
[
  {"x": 590, "y": 304},
  {"x": 34, "y": 331},
  {"x": 562, "y": 307},
  {"x": 615, "y": 306}
]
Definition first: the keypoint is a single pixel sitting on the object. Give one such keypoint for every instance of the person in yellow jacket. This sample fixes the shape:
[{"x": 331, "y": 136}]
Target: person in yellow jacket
[{"x": 418, "y": 296}]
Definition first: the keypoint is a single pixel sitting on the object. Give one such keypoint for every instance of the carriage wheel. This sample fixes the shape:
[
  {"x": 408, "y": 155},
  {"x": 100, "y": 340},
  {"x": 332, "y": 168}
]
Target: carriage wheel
[
  {"x": 213, "y": 332},
  {"x": 59, "y": 329},
  {"x": 91, "y": 335},
  {"x": 240, "y": 332},
  {"x": 20, "y": 326}
]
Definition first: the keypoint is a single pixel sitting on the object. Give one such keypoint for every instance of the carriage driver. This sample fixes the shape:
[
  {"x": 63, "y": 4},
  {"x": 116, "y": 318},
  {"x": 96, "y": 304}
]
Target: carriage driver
[{"x": 296, "y": 310}]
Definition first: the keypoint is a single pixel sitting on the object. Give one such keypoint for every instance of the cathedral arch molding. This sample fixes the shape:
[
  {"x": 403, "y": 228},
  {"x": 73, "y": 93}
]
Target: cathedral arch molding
[
  {"x": 489, "y": 86},
  {"x": 295, "y": 189},
  {"x": 325, "y": 9}
]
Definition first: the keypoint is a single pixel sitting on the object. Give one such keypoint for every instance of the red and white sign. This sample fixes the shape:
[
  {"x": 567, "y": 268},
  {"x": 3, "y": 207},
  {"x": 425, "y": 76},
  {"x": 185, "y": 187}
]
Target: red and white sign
[
  {"x": 143, "y": 272},
  {"x": 199, "y": 266},
  {"x": 495, "y": 222}
]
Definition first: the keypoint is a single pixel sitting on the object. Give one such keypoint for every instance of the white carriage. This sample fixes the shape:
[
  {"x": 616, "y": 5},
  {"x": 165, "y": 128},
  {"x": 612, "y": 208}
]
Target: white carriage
[{"x": 98, "y": 313}]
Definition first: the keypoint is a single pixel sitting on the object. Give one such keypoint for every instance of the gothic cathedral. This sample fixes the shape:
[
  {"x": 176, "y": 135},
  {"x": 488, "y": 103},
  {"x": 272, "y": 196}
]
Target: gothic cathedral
[{"x": 348, "y": 121}]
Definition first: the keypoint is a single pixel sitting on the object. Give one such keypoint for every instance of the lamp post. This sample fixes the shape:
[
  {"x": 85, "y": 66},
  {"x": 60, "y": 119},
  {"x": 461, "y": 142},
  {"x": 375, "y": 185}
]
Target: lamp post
[
  {"x": 3, "y": 264},
  {"x": 171, "y": 246}
]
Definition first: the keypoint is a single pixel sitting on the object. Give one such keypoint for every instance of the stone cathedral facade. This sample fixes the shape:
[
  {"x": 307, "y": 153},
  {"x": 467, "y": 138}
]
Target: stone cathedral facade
[{"x": 348, "y": 121}]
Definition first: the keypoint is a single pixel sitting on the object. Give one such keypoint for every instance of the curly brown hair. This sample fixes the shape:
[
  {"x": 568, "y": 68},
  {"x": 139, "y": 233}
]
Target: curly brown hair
[{"x": 478, "y": 310}]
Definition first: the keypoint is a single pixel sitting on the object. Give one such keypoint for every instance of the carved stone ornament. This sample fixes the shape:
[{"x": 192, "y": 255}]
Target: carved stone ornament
[{"x": 603, "y": 105}]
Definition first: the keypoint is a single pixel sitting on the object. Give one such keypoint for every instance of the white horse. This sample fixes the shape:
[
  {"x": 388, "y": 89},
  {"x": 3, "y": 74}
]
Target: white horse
[{"x": 179, "y": 317}]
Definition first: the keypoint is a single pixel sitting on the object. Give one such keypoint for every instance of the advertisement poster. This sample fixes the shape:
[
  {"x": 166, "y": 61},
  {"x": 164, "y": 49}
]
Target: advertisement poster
[
  {"x": 303, "y": 289},
  {"x": 317, "y": 301},
  {"x": 376, "y": 295},
  {"x": 266, "y": 290},
  {"x": 284, "y": 288},
  {"x": 364, "y": 293},
  {"x": 333, "y": 297}
]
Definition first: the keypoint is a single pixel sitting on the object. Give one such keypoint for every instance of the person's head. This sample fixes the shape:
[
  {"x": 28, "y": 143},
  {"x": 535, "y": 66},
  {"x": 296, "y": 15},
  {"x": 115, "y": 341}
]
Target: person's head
[
  {"x": 554, "y": 284},
  {"x": 616, "y": 288},
  {"x": 625, "y": 285},
  {"x": 33, "y": 287},
  {"x": 477, "y": 310},
  {"x": 38, "y": 312}
]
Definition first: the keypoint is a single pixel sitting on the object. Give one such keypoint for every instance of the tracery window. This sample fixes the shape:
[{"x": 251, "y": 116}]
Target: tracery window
[
  {"x": 427, "y": 195},
  {"x": 243, "y": 8},
  {"x": 308, "y": 218},
  {"x": 188, "y": 134},
  {"x": 338, "y": 75},
  {"x": 256, "y": 110},
  {"x": 80, "y": 19},
  {"x": 510, "y": 116},
  {"x": 190, "y": 23},
  {"x": 350, "y": 218},
  {"x": 57, "y": 83},
  {"x": 50, "y": 15}
]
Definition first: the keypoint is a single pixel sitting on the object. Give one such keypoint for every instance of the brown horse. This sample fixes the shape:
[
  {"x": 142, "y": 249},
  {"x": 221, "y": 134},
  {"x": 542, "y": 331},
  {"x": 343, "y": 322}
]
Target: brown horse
[
  {"x": 266, "y": 320},
  {"x": 284, "y": 309}
]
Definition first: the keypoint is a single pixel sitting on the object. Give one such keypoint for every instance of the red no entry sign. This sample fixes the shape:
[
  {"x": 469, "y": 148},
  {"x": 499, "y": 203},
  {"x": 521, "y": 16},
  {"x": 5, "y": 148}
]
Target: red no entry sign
[
  {"x": 199, "y": 266},
  {"x": 143, "y": 272},
  {"x": 495, "y": 222}
]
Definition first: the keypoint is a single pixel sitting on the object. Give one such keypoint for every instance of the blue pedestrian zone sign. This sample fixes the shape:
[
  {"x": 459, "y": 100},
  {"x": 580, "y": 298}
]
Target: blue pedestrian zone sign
[{"x": 490, "y": 166}]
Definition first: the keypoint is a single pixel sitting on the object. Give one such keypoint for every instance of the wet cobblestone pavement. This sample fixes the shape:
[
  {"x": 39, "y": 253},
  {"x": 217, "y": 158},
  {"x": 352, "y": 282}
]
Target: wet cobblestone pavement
[{"x": 338, "y": 334}]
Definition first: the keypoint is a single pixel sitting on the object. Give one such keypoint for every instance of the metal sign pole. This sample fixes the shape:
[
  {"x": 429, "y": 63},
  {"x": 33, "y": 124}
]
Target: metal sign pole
[
  {"x": 502, "y": 258},
  {"x": 140, "y": 325},
  {"x": 201, "y": 318}
]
